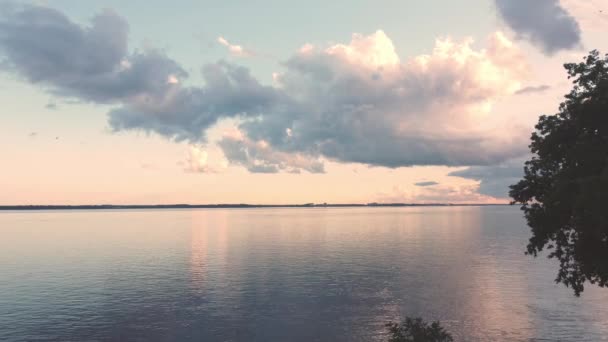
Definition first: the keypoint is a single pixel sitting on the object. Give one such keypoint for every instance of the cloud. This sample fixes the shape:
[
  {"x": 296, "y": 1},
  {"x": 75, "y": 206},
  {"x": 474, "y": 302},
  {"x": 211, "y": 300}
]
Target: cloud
[
  {"x": 359, "y": 103},
  {"x": 89, "y": 63},
  {"x": 545, "y": 23},
  {"x": 92, "y": 63},
  {"x": 355, "y": 102},
  {"x": 456, "y": 194},
  {"x": 235, "y": 50},
  {"x": 51, "y": 105},
  {"x": 494, "y": 180},
  {"x": 260, "y": 157},
  {"x": 533, "y": 89},
  {"x": 198, "y": 161},
  {"x": 431, "y": 183},
  {"x": 185, "y": 113}
]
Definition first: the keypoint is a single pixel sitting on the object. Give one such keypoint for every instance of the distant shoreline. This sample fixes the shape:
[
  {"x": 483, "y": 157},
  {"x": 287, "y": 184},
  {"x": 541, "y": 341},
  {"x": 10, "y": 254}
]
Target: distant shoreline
[{"x": 231, "y": 206}]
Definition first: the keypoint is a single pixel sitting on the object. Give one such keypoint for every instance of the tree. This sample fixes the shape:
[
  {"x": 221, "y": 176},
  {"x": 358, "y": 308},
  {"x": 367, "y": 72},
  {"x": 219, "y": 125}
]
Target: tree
[
  {"x": 564, "y": 191},
  {"x": 416, "y": 330}
]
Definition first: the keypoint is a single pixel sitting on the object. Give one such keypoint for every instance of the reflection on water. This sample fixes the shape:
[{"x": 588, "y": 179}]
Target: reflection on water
[
  {"x": 322, "y": 274},
  {"x": 198, "y": 257}
]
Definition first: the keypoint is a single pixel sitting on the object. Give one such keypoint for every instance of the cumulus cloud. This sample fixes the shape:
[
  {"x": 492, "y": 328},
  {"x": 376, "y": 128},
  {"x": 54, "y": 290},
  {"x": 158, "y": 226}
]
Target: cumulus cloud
[
  {"x": 360, "y": 103},
  {"x": 235, "y": 50},
  {"x": 90, "y": 63},
  {"x": 430, "y": 183},
  {"x": 185, "y": 113},
  {"x": 533, "y": 89},
  {"x": 198, "y": 161},
  {"x": 494, "y": 180},
  {"x": 260, "y": 157},
  {"x": 544, "y": 23},
  {"x": 355, "y": 102}
]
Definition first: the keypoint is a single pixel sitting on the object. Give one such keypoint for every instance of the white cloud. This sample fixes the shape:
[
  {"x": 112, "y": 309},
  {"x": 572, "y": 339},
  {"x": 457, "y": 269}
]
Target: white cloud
[
  {"x": 172, "y": 79},
  {"x": 235, "y": 50},
  {"x": 356, "y": 102},
  {"x": 198, "y": 161},
  {"x": 359, "y": 103},
  {"x": 373, "y": 51}
]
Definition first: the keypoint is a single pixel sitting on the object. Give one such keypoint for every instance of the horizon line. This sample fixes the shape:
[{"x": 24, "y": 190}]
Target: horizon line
[{"x": 232, "y": 206}]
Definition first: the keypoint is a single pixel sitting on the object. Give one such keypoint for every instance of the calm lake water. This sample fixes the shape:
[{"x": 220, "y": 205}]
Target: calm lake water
[{"x": 308, "y": 274}]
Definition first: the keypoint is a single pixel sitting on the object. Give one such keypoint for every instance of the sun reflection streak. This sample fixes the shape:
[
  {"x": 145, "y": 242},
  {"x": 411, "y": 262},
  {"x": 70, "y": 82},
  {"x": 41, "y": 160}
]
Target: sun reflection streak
[
  {"x": 198, "y": 252},
  {"x": 209, "y": 245}
]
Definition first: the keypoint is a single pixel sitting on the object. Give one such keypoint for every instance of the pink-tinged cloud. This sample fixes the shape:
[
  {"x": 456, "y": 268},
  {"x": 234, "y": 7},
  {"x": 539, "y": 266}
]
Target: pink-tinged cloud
[
  {"x": 198, "y": 161},
  {"x": 359, "y": 102},
  {"x": 455, "y": 194},
  {"x": 373, "y": 51},
  {"x": 235, "y": 50},
  {"x": 355, "y": 102}
]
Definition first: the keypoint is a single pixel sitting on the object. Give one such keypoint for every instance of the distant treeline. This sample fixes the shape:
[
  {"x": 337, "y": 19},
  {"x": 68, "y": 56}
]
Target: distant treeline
[{"x": 218, "y": 206}]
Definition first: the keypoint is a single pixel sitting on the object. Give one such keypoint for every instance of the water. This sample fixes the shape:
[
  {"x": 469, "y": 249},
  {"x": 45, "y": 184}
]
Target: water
[{"x": 308, "y": 274}]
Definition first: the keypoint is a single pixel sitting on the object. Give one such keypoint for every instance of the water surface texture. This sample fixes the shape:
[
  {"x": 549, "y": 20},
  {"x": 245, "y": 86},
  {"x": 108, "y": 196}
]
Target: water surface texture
[{"x": 305, "y": 274}]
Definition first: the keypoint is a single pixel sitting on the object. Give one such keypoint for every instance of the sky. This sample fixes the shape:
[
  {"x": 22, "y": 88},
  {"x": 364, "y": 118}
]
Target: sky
[{"x": 146, "y": 102}]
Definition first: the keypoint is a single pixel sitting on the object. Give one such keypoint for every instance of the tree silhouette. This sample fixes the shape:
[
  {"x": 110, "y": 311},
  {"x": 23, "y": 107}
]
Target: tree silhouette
[
  {"x": 564, "y": 191},
  {"x": 416, "y": 330}
]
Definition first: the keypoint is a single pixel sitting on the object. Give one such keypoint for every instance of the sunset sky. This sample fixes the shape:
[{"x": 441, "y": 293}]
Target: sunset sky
[{"x": 144, "y": 102}]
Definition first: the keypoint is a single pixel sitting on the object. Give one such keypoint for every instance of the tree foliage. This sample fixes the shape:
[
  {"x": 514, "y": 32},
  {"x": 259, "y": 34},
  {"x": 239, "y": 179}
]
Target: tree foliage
[
  {"x": 564, "y": 191},
  {"x": 417, "y": 330}
]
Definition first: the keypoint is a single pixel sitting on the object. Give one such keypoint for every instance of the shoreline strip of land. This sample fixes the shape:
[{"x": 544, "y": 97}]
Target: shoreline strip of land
[{"x": 234, "y": 206}]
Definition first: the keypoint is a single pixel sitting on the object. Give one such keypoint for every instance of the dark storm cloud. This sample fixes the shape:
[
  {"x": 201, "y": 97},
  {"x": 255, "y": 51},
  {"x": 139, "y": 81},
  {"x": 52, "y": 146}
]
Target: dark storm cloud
[
  {"x": 494, "y": 180},
  {"x": 544, "y": 23}
]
